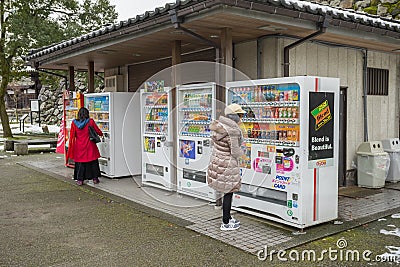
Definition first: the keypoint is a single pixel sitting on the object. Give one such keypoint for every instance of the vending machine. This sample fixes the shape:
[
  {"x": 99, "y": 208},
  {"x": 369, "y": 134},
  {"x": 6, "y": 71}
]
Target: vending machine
[
  {"x": 157, "y": 143},
  {"x": 291, "y": 136},
  {"x": 196, "y": 110},
  {"x": 113, "y": 114},
  {"x": 72, "y": 102}
]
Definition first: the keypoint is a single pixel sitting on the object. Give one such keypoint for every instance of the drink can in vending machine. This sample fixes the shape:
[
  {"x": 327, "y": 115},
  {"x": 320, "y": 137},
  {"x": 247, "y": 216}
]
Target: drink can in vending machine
[
  {"x": 282, "y": 96},
  {"x": 289, "y": 113},
  {"x": 290, "y": 95}
]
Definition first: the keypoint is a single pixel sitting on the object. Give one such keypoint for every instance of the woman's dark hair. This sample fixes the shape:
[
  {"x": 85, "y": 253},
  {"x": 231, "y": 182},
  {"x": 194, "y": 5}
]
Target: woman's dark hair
[{"x": 83, "y": 114}]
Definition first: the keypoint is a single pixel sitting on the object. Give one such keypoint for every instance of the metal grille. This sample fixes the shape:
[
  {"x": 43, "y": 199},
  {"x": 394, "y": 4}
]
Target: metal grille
[{"x": 378, "y": 81}]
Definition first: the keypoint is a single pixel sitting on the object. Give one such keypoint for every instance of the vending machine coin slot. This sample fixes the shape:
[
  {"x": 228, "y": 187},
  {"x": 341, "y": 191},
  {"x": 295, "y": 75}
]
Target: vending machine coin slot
[{"x": 206, "y": 143}]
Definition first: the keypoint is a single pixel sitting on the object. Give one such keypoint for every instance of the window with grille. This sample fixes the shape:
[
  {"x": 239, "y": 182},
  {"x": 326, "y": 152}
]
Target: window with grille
[{"x": 377, "y": 81}]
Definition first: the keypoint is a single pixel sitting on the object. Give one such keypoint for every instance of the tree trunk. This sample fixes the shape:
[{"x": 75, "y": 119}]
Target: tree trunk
[{"x": 3, "y": 112}]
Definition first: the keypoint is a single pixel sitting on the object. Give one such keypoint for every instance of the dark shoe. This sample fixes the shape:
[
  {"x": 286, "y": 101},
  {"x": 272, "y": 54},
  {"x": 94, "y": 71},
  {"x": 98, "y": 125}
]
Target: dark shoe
[
  {"x": 79, "y": 183},
  {"x": 96, "y": 180}
]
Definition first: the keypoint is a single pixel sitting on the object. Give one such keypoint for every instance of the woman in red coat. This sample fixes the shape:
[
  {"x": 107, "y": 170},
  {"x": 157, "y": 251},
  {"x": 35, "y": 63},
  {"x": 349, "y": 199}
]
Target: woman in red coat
[{"x": 83, "y": 151}]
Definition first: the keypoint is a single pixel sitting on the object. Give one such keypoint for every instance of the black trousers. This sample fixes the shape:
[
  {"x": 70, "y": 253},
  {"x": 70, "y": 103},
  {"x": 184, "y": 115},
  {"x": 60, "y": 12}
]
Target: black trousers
[{"x": 226, "y": 208}]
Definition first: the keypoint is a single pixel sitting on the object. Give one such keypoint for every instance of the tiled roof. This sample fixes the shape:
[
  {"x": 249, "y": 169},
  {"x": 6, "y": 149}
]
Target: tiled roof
[{"x": 301, "y": 6}]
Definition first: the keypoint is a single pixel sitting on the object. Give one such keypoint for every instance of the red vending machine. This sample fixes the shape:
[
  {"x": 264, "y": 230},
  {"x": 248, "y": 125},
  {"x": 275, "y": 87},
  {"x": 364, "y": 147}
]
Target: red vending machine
[{"x": 73, "y": 101}]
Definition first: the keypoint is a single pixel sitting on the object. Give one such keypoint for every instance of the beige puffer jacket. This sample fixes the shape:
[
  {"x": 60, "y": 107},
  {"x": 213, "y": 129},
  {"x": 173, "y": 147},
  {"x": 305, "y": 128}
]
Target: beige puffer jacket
[{"x": 223, "y": 171}]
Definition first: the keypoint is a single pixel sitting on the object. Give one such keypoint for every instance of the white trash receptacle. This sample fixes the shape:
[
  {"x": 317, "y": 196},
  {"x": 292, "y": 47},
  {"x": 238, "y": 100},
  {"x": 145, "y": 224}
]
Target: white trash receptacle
[
  {"x": 372, "y": 165},
  {"x": 392, "y": 147}
]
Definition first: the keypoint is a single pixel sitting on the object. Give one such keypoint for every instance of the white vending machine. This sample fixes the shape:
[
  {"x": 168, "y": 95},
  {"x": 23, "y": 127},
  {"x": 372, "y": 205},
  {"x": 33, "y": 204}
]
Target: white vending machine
[
  {"x": 291, "y": 144},
  {"x": 196, "y": 110},
  {"x": 118, "y": 152},
  {"x": 157, "y": 143}
]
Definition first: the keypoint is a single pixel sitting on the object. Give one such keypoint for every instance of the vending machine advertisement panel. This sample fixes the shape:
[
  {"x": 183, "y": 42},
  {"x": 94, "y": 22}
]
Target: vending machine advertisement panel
[
  {"x": 109, "y": 111},
  {"x": 196, "y": 110},
  {"x": 290, "y": 167},
  {"x": 157, "y": 143}
]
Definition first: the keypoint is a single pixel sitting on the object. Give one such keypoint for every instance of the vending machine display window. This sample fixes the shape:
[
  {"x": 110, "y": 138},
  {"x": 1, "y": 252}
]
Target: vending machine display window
[
  {"x": 157, "y": 146},
  {"x": 196, "y": 110}
]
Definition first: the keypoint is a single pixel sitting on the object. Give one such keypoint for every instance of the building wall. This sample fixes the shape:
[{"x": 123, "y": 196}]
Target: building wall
[
  {"x": 347, "y": 64},
  {"x": 271, "y": 65},
  {"x": 246, "y": 58}
]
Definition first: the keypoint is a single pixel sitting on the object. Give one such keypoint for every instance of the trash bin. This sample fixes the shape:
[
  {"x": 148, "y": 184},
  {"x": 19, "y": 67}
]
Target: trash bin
[
  {"x": 392, "y": 147},
  {"x": 373, "y": 165}
]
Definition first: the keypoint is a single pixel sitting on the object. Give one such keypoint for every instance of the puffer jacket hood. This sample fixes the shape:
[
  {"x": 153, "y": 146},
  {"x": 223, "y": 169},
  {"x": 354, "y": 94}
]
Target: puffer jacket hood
[
  {"x": 224, "y": 127},
  {"x": 223, "y": 170}
]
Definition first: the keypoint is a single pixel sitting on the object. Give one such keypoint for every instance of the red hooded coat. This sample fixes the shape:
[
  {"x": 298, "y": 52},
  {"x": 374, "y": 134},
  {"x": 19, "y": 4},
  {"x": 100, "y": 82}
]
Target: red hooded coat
[{"x": 81, "y": 149}]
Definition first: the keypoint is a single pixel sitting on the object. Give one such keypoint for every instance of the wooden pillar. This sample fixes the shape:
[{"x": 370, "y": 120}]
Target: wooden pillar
[
  {"x": 91, "y": 77},
  {"x": 71, "y": 78},
  {"x": 176, "y": 58}
]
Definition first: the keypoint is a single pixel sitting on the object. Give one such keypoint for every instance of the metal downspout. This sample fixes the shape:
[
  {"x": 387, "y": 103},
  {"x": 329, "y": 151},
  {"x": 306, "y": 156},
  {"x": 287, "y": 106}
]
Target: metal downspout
[
  {"x": 365, "y": 93},
  {"x": 322, "y": 29}
]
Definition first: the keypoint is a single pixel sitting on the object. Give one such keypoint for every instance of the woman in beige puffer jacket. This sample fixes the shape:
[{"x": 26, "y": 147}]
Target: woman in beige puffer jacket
[{"x": 223, "y": 170}]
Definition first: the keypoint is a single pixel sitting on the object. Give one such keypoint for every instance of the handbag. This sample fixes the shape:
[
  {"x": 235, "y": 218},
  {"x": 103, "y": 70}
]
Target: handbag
[{"x": 93, "y": 136}]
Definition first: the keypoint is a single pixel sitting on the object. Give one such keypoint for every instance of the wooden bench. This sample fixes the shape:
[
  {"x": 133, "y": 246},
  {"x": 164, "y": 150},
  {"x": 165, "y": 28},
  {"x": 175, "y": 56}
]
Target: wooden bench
[{"x": 20, "y": 147}]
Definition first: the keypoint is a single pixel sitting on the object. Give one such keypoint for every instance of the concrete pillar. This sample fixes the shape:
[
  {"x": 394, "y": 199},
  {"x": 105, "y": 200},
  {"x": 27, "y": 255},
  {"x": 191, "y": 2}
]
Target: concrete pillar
[
  {"x": 176, "y": 80},
  {"x": 91, "y": 77},
  {"x": 226, "y": 74},
  {"x": 227, "y": 46}
]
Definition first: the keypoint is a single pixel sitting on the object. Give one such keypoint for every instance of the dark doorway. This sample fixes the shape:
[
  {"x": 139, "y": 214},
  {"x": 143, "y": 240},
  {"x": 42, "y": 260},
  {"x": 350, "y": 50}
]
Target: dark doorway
[{"x": 342, "y": 135}]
